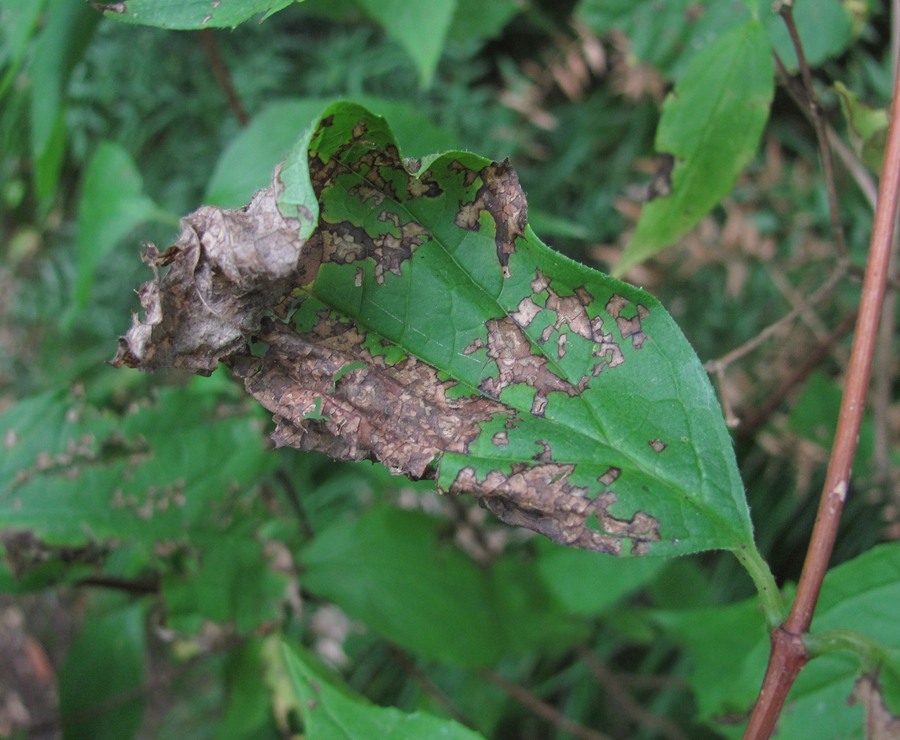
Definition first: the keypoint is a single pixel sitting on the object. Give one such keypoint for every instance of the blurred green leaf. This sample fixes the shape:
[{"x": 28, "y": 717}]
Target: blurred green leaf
[
  {"x": 73, "y": 474},
  {"x": 711, "y": 124},
  {"x": 584, "y": 582},
  {"x": 814, "y": 417},
  {"x": 526, "y": 605},
  {"x": 59, "y": 45},
  {"x": 330, "y": 713},
  {"x": 420, "y": 28},
  {"x": 825, "y": 28},
  {"x": 248, "y": 713},
  {"x": 479, "y": 21},
  {"x": 113, "y": 203},
  {"x": 868, "y": 127},
  {"x": 18, "y": 22},
  {"x": 101, "y": 681},
  {"x": 725, "y": 640},
  {"x": 664, "y": 33},
  {"x": 391, "y": 570},
  {"x": 233, "y": 583},
  {"x": 188, "y": 14}
]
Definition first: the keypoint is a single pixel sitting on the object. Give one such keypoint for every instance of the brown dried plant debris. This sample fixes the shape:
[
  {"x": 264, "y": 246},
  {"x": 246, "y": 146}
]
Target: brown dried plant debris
[{"x": 227, "y": 269}]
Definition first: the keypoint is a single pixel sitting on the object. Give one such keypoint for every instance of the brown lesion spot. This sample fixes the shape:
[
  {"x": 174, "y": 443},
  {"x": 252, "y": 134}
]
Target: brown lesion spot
[
  {"x": 512, "y": 351},
  {"x": 629, "y": 326},
  {"x": 398, "y": 414},
  {"x": 546, "y": 453},
  {"x": 501, "y": 196},
  {"x": 570, "y": 315},
  {"x": 541, "y": 497},
  {"x": 610, "y": 476},
  {"x": 345, "y": 243},
  {"x": 423, "y": 187},
  {"x": 657, "y": 445}
]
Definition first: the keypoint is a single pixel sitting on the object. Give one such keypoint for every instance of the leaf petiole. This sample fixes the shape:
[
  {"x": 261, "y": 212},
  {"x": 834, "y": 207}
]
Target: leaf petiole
[{"x": 770, "y": 597}]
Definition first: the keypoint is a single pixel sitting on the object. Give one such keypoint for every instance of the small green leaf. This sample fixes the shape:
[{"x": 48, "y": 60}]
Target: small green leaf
[
  {"x": 336, "y": 714},
  {"x": 390, "y": 570},
  {"x": 728, "y": 640},
  {"x": 584, "y": 583},
  {"x": 113, "y": 203},
  {"x": 825, "y": 28},
  {"x": 480, "y": 21},
  {"x": 189, "y": 14},
  {"x": 16, "y": 30},
  {"x": 421, "y": 28},
  {"x": 868, "y": 127},
  {"x": 248, "y": 713},
  {"x": 233, "y": 583},
  {"x": 101, "y": 679},
  {"x": 58, "y": 47},
  {"x": 711, "y": 124}
]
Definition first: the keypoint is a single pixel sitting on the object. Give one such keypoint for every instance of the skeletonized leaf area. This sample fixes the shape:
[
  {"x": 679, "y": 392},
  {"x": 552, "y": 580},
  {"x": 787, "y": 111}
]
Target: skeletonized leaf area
[{"x": 404, "y": 312}]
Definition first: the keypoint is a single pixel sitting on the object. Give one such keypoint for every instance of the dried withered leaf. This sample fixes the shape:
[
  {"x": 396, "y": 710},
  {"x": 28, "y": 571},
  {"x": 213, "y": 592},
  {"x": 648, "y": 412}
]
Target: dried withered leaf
[
  {"x": 397, "y": 414},
  {"x": 881, "y": 724},
  {"x": 227, "y": 269}
]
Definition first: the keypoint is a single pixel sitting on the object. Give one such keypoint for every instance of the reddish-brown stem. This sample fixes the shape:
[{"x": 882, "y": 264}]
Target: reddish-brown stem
[
  {"x": 223, "y": 78},
  {"x": 814, "y": 110},
  {"x": 788, "y": 655}
]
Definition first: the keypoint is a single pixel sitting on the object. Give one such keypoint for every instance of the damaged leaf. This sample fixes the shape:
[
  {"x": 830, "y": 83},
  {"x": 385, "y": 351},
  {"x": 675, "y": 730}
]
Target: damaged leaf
[{"x": 405, "y": 312}]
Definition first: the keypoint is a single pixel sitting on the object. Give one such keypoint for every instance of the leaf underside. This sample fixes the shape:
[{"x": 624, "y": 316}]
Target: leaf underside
[{"x": 403, "y": 311}]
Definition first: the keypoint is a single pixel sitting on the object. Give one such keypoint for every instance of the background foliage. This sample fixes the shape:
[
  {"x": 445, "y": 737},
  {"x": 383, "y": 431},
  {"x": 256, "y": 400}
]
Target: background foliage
[{"x": 186, "y": 580}]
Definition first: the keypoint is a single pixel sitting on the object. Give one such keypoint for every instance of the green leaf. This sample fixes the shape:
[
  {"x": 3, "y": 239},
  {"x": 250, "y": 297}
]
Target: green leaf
[
  {"x": 101, "y": 680},
  {"x": 420, "y": 28},
  {"x": 73, "y": 475},
  {"x": 814, "y": 417},
  {"x": 566, "y": 401},
  {"x": 58, "y": 48},
  {"x": 390, "y": 570},
  {"x": 188, "y": 14},
  {"x": 17, "y": 25},
  {"x": 475, "y": 20},
  {"x": 825, "y": 28},
  {"x": 333, "y": 713},
  {"x": 113, "y": 203},
  {"x": 724, "y": 640},
  {"x": 862, "y": 595},
  {"x": 868, "y": 127},
  {"x": 664, "y": 33},
  {"x": 249, "y": 710},
  {"x": 584, "y": 583},
  {"x": 233, "y": 583},
  {"x": 711, "y": 124}
]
